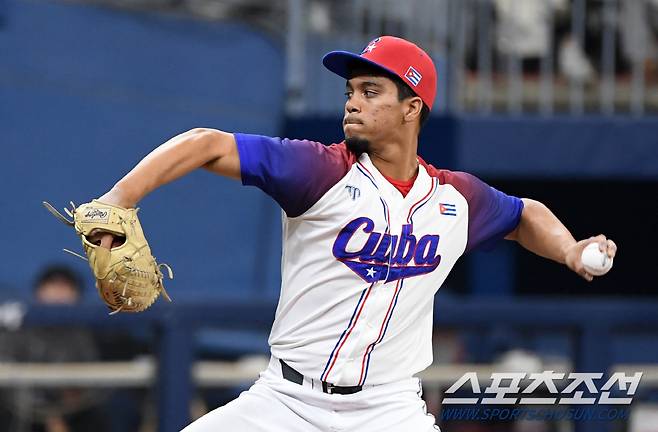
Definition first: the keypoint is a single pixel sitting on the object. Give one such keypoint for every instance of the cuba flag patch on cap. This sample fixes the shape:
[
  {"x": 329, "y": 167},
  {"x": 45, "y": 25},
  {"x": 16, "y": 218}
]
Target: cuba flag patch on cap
[{"x": 413, "y": 76}]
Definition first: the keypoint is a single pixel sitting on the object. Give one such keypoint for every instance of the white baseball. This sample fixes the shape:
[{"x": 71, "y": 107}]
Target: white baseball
[{"x": 596, "y": 263}]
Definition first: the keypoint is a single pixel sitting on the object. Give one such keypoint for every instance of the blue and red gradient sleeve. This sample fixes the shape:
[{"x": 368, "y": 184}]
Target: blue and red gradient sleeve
[
  {"x": 296, "y": 173},
  {"x": 492, "y": 214}
]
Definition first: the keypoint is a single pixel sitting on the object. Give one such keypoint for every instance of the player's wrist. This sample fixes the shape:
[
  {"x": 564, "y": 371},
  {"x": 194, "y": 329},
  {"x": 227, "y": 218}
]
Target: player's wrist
[
  {"x": 569, "y": 254},
  {"x": 120, "y": 196}
]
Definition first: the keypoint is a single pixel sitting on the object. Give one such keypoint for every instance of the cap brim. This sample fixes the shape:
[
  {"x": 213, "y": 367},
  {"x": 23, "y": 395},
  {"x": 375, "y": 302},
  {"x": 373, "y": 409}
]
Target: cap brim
[{"x": 343, "y": 62}]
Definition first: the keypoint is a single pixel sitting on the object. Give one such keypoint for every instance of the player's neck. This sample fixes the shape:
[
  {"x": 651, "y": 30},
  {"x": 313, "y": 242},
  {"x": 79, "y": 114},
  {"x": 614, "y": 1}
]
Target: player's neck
[{"x": 396, "y": 161}]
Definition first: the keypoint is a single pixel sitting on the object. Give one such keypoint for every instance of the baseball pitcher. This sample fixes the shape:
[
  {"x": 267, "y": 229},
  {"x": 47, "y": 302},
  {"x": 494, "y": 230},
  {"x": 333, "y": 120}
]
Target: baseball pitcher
[{"x": 370, "y": 232}]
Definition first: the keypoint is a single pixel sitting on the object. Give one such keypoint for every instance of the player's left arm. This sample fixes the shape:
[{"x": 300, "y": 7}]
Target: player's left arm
[{"x": 541, "y": 232}]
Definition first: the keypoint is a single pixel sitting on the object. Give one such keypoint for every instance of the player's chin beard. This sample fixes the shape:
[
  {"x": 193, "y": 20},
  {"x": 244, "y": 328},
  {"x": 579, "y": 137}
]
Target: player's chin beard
[{"x": 357, "y": 145}]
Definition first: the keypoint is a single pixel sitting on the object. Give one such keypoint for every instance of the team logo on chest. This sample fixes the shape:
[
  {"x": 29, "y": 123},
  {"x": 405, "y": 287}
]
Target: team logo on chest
[{"x": 383, "y": 256}]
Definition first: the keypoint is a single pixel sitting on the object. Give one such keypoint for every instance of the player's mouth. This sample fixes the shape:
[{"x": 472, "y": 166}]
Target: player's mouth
[{"x": 351, "y": 121}]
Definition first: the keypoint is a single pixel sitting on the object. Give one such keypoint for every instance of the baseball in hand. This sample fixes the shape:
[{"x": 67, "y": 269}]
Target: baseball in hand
[{"x": 596, "y": 263}]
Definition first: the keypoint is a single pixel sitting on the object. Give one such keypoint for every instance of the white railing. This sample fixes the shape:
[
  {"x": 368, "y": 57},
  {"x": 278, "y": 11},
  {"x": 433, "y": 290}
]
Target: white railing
[{"x": 141, "y": 373}]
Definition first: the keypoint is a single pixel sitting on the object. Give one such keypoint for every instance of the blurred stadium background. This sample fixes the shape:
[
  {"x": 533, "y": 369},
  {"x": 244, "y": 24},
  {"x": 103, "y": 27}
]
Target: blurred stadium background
[{"x": 550, "y": 99}]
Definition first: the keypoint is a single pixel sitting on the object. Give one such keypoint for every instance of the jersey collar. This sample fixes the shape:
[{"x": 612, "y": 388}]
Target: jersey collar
[{"x": 419, "y": 189}]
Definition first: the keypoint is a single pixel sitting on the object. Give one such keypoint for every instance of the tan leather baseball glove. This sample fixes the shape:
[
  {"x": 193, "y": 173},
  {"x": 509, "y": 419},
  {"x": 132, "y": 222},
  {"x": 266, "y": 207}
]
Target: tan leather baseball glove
[{"x": 127, "y": 276}]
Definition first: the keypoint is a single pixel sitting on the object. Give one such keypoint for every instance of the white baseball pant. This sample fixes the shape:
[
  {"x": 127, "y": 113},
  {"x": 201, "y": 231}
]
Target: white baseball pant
[{"x": 274, "y": 404}]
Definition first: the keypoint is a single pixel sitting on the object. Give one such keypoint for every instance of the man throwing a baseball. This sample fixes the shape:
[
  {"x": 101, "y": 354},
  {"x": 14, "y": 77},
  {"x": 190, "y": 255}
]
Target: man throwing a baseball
[{"x": 370, "y": 232}]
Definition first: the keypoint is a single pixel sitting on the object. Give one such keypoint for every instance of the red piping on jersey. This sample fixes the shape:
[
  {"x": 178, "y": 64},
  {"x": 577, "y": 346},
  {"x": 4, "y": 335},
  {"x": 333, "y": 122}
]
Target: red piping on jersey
[
  {"x": 371, "y": 347},
  {"x": 419, "y": 201},
  {"x": 368, "y": 171},
  {"x": 326, "y": 374}
]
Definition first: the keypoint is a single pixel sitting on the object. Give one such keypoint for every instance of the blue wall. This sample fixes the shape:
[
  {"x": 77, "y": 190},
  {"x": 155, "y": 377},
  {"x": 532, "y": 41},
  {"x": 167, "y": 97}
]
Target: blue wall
[
  {"x": 618, "y": 147},
  {"x": 85, "y": 92}
]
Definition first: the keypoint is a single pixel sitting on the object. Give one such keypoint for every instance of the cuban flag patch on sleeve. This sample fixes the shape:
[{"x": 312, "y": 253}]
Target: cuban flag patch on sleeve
[
  {"x": 413, "y": 76},
  {"x": 448, "y": 209}
]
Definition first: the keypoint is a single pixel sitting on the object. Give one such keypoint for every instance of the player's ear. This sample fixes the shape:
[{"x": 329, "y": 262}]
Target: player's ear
[{"x": 412, "y": 108}]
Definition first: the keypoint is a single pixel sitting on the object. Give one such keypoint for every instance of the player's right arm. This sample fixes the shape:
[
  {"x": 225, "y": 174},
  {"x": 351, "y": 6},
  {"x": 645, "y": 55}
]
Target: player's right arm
[
  {"x": 295, "y": 173},
  {"x": 197, "y": 148}
]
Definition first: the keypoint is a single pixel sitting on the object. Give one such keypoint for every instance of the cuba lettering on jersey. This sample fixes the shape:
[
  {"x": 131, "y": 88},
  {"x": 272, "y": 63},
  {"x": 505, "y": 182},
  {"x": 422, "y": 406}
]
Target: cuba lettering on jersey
[
  {"x": 384, "y": 256},
  {"x": 361, "y": 263}
]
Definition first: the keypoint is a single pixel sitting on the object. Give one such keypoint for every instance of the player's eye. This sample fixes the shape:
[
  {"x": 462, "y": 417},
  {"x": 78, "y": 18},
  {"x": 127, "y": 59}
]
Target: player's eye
[
  {"x": 369, "y": 93},
  {"x": 348, "y": 94}
]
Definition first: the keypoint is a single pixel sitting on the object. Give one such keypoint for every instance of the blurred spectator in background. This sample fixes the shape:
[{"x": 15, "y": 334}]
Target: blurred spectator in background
[
  {"x": 524, "y": 28},
  {"x": 530, "y": 30},
  {"x": 51, "y": 410},
  {"x": 58, "y": 285},
  {"x": 639, "y": 35}
]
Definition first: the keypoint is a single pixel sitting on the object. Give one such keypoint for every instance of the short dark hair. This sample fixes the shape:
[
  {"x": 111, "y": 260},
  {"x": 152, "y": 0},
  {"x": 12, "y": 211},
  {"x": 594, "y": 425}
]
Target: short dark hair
[
  {"x": 56, "y": 273},
  {"x": 404, "y": 91}
]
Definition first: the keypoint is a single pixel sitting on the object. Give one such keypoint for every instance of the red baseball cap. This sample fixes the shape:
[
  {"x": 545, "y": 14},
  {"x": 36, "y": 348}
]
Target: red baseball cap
[{"x": 394, "y": 55}]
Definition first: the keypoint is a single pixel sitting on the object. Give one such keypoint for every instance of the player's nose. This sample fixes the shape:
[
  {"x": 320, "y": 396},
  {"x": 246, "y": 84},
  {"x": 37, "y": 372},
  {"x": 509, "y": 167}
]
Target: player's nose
[{"x": 351, "y": 106}]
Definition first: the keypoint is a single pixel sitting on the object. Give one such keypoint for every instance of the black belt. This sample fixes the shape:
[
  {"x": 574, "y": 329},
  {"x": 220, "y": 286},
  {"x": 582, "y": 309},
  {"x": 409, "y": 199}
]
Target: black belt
[{"x": 292, "y": 375}]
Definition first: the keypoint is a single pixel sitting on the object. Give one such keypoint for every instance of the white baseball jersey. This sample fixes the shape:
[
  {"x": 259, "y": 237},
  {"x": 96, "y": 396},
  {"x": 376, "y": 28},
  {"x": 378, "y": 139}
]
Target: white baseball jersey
[{"x": 360, "y": 262}]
